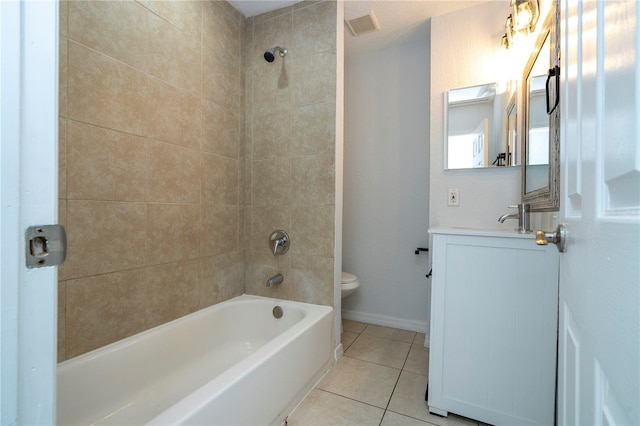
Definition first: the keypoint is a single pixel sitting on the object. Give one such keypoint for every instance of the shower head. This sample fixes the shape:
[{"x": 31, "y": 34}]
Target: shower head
[{"x": 269, "y": 55}]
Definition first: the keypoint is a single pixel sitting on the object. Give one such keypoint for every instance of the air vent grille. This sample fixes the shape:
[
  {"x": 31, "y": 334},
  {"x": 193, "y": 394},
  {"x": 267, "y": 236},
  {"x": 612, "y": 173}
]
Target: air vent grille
[{"x": 363, "y": 24}]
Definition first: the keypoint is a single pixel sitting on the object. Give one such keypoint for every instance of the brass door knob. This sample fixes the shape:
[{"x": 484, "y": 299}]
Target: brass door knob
[{"x": 557, "y": 237}]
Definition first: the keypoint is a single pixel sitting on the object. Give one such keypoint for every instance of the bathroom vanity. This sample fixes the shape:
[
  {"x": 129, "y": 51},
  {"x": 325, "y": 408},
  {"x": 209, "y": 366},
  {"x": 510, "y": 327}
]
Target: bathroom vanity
[{"x": 493, "y": 337}]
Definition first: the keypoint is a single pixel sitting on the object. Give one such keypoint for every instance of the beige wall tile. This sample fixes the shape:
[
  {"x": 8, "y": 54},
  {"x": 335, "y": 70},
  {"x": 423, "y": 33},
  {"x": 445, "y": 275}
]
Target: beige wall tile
[
  {"x": 264, "y": 221},
  {"x": 186, "y": 15},
  {"x": 171, "y": 290},
  {"x": 314, "y": 79},
  {"x": 105, "y": 164},
  {"x": 64, "y": 17},
  {"x": 103, "y": 309},
  {"x": 233, "y": 12},
  {"x": 245, "y": 234},
  {"x": 259, "y": 19},
  {"x": 219, "y": 278},
  {"x": 62, "y": 158},
  {"x": 219, "y": 232},
  {"x": 62, "y": 75},
  {"x": 221, "y": 30},
  {"x": 312, "y": 230},
  {"x": 174, "y": 116},
  {"x": 271, "y": 87},
  {"x": 105, "y": 92},
  {"x": 271, "y": 182},
  {"x": 248, "y": 182},
  {"x": 220, "y": 130},
  {"x": 219, "y": 180},
  {"x": 311, "y": 286},
  {"x": 173, "y": 233},
  {"x": 175, "y": 57},
  {"x": 314, "y": 29},
  {"x": 313, "y": 178},
  {"x": 174, "y": 174},
  {"x": 314, "y": 129},
  {"x": 118, "y": 29},
  {"x": 272, "y": 135},
  {"x": 318, "y": 263},
  {"x": 104, "y": 237},
  {"x": 221, "y": 79}
]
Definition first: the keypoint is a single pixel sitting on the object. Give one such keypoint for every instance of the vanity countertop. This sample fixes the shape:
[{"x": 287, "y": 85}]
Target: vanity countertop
[{"x": 502, "y": 233}]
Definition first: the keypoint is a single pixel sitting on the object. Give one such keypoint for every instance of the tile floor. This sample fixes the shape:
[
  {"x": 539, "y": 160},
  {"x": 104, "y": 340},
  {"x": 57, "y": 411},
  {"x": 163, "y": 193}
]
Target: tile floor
[{"x": 380, "y": 380}]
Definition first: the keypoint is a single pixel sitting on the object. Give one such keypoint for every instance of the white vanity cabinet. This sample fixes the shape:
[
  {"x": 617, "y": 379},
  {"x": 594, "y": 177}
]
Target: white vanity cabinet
[{"x": 493, "y": 337}]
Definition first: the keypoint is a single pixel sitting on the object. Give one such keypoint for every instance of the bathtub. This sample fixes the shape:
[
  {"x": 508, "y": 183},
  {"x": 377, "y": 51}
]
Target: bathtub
[{"x": 233, "y": 363}]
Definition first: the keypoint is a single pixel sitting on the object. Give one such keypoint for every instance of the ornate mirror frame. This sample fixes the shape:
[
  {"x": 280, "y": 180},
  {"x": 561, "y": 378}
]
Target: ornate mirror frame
[{"x": 546, "y": 198}]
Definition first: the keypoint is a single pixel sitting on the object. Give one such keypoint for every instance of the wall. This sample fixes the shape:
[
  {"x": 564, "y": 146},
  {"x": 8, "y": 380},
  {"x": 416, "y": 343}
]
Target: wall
[
  {"x": 150, "y": 124},
  {"x": 466, "y": 51},
  {"x": 386, "y": 185},
  {"x": 290, "y": 128}
]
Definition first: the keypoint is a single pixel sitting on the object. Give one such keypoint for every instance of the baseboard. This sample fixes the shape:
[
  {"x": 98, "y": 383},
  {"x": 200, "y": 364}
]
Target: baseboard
[{"x": 417, "y": 326}]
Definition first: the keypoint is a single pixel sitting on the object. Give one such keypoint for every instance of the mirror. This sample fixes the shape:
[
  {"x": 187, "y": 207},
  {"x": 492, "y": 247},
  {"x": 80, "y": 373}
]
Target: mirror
[
  {"x": 475, "y": 118},
  {"x": 513, "y": 150},
  {"x": 541, "y": 132}
]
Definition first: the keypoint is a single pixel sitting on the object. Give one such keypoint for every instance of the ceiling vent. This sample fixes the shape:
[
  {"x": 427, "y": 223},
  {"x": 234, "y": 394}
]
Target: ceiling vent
[{"x": 363, "y": 24}]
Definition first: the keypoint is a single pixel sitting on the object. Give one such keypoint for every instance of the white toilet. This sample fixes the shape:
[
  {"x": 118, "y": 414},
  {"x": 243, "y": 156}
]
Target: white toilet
[{"x": 349, "y": 283}]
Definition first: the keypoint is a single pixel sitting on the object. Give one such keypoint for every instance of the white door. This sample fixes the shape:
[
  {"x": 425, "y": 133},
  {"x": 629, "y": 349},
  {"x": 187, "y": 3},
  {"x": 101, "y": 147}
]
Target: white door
[
  {"x": 28, "y": 196},
  {"x": 599, "y": 328}
]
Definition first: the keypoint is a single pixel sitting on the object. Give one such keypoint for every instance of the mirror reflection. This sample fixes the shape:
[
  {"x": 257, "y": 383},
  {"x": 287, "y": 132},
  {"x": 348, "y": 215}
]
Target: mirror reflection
[
  {"x": 476, "y": 136},
  {"x": 537, "y": 149},
  {"x": 513, "y": 150}
]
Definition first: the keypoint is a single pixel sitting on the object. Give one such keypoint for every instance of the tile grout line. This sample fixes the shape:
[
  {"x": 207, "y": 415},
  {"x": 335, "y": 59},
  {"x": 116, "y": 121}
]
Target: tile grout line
[{"x": 396, "y": 384}]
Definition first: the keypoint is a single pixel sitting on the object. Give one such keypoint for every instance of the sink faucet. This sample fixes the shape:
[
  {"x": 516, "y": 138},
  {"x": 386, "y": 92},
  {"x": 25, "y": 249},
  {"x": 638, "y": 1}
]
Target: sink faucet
[{"x": 522, "y": 216}]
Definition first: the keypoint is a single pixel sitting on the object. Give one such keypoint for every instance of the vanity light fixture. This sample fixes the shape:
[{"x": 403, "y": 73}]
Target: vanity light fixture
[{"x": 523, "y": 18}]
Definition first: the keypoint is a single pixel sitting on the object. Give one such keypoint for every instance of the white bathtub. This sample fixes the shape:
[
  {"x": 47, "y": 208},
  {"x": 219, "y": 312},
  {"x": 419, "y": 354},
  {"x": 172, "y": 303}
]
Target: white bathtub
[{"x": 230, "y": 364}]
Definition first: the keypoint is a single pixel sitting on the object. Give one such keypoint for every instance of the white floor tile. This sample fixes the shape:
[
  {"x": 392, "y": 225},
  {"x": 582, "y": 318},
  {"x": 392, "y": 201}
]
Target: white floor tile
[
  {"x": 391, "y": 353},
  {"x": 394, "y": 419},
  {"x": 418, "y": 360},
  {"x": 324, "y": 408},
  {"x": 347, "y": 339},
  {"x": 408, "y": 397},
  {"x": 353, "y": 326},
  {"x": 360, "y": 380},
  {"x": 389, "y": 333}
]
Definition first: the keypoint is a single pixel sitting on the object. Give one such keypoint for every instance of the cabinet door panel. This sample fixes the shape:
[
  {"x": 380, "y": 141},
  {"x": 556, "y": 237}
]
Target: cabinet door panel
[{"x": 493, "y": 336}]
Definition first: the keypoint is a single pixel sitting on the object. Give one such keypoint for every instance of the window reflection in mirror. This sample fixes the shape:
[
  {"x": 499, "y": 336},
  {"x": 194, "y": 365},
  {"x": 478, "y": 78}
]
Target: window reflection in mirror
[{"x": 475, "y": 135}]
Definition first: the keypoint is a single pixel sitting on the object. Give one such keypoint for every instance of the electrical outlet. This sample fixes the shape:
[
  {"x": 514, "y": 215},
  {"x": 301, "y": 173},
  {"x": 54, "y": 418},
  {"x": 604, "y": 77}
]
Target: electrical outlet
[{"x": 454, "y": 198}]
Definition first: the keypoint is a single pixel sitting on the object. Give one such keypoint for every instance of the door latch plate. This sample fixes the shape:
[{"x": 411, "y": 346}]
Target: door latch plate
[{"x": 46, "y": 245}]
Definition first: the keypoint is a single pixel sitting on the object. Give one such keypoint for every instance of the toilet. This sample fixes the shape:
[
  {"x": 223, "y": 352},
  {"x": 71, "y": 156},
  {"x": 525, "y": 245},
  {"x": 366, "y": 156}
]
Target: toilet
[{"x": 349, "y": 284}]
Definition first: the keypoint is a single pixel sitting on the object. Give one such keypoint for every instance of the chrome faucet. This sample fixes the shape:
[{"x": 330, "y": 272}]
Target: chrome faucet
[
  {"x": 522, "y": 216},
  {"x": 275, "y": 280}
]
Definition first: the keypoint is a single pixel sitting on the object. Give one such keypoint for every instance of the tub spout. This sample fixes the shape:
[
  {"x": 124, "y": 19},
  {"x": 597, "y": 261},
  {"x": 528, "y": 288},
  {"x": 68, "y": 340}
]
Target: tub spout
[{"x": 275, "y": 280}]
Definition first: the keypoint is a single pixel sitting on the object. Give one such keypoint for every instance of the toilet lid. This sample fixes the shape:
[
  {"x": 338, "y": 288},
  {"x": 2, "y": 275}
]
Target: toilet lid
[{"x": 348, "y": 278}]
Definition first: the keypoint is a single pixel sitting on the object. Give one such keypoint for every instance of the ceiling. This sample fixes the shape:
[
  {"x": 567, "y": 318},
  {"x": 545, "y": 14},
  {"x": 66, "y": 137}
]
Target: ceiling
[{"x": 401, "y": 21}]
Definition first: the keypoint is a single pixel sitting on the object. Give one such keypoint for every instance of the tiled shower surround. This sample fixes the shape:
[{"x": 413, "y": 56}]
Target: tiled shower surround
[{"x": 181, "y": 149}]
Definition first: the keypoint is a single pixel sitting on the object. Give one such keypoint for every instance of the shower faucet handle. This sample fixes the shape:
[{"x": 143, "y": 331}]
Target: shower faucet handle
[{"x": 279, "y": 242}]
